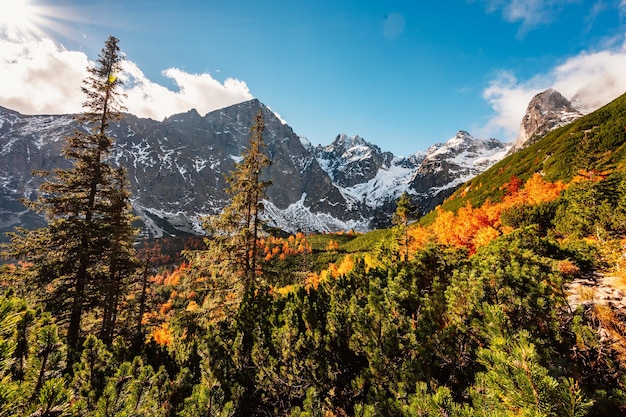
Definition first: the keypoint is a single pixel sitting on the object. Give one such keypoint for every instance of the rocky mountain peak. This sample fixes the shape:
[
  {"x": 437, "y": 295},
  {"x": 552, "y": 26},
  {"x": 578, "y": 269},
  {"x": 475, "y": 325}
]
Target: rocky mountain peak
[
  {"x": 344, "y": 141},
  {"x": 448, "y": 165},
  {"x": 176, "y": 170},
  {"x": 348, "y": 147},
  {"x": 462, "y": 138},
  {"x": 463, "y": 134},
  {"x": 460, "y": 142},
  {"x": 547, "y": 111},
  {"x": 349, "y": 160},
  {"x": 191, "y": 115}
]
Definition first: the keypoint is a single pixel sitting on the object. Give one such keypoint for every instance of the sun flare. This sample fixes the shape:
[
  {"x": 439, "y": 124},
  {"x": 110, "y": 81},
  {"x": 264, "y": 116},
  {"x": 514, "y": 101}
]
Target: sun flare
[
  {"x": 17, "y": 15},
  {"x": 38, "y": 19}
]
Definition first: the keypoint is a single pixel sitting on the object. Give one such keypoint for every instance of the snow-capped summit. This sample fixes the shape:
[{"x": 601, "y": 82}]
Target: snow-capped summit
[
  {"x": 448, "y": 165},
  {"x": 344, "y": 142},
  {"x": 176, "y": 170},
  {"x": 465, "y": 146},
  {"x": 376, "y": 179},
  {"x": 351, "y": 160}
]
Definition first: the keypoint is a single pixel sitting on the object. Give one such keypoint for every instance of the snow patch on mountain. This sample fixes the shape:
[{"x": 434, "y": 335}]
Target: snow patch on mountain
[
  {"x": 161, "y": 222},
  {"x": 305, "y": 142},
  {"x": 468, "y": 153},
  {"x": 176, "y": 167},
  {"x": 366, "y": 175},
  {"x": 299, "y": 218},
  {"x": 389, "y": 183},
  {"x": 200, "y": 163},
  {"x": 446, "y": 166}
]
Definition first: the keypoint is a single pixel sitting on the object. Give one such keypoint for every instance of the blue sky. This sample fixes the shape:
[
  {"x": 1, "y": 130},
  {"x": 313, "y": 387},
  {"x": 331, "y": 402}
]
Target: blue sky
[{"x": 402, "y": 74}]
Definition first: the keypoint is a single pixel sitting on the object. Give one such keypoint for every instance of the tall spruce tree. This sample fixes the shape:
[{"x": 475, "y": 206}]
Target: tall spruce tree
[
  {"x": 401, "y": 218},
  {"x": 85, "y": 245},
  {"x": 240, "y": 220},
  {"x": 223, "y": 281},
  {"x": 228, "y": 269}
]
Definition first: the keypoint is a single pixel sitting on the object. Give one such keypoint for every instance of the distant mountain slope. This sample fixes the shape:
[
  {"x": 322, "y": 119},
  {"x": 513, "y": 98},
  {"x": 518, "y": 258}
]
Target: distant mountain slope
[
  {"x": 364, "y": 173},
  {"x": 447, "y": 166},
  {"x": 177, "y": 170},
  {"x": 595, "y": 141}
]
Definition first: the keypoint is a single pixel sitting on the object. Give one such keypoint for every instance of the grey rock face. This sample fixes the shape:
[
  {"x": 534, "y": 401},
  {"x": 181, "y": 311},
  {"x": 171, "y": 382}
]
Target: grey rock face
[
  {"x": 177, "y": 169},
  {"x": 447, "y": 166},
  {"x": 547, "y": 111},
  {"x": 352, "y": 160}
]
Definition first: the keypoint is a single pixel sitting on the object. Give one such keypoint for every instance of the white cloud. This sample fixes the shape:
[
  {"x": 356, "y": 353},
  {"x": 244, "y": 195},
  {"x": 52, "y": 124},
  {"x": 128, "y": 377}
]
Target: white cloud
[
  {"x": 146, "y": 98},
  {"x": 509, "y": 99},
  {"x": 530, "y": 13},
  {"x": 591, "y": 79},
  {"x": 39, "y": 77}
]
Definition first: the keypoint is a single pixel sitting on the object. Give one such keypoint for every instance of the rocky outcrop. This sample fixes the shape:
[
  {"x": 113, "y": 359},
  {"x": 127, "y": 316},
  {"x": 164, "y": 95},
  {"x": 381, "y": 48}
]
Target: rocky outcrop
[
  {"x": 547, "y": 111},
  {"x": 352, "y": 160}
]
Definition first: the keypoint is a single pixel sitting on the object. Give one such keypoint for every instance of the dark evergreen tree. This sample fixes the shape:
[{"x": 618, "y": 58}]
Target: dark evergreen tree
[
  {"x": 221, "y": 274},
  {"x": 85, "y": 245},
  {"x": 240, "y": 219},
  {"x": 9, "y": 388},
  {"x": 134, "y": 390},
  {"x": 516, "y": 383},
  {"x": 224, "y": 287},
  {"x": 90, "y": 375},
  {"x": 121, "y": 255},
  {"x": 401, "y": 218},
  {"x": 592, "y": 207}
]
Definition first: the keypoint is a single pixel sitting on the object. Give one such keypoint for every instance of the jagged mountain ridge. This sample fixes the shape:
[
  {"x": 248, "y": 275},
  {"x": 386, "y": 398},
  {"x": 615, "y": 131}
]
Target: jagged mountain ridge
[
  {"x": 176, "y": 170},
  {"x": 428, "y": 176}
]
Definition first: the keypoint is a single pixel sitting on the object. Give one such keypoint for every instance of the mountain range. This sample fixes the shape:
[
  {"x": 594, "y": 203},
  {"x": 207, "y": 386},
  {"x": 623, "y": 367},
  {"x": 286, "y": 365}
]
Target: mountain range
[{"x": 177, "y": 169}]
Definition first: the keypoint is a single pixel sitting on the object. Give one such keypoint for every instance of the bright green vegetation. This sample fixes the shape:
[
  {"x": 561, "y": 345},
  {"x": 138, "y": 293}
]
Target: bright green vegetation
[
  {"x": 320, "y": 242},
  {"x": 441, "y": 334},
  {"x": 367, "y": 241},
  {"x": 356, "y": 245}
]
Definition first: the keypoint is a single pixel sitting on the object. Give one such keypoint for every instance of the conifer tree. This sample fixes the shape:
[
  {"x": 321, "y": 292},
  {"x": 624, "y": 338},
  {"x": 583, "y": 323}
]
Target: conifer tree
[
  {"x": 223, "y": 279},
  {"x": 401, "y": 218},
  {"x": 121, "y": 257},
  {"x": 9, "y": 319},
  {"x": 86, "y": 240},
  {"x": 240, "y": 220}
]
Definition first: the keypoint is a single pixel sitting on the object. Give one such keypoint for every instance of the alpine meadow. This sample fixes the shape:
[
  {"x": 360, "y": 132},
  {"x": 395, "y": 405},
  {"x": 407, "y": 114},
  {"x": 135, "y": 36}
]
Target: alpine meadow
[{"x": 502, "y": 296}]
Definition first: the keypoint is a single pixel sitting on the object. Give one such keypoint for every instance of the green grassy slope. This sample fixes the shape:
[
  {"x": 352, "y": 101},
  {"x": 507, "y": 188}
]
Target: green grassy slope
[{"x": 595, "y": 141}]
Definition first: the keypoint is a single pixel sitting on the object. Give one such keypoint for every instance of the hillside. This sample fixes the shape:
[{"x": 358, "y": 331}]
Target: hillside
[{"x": 596, "y": 141}]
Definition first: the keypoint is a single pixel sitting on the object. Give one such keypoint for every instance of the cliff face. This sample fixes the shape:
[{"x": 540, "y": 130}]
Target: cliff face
[
  {"x": 547, "y": 111},
  {"x": 177, "y": 169}
]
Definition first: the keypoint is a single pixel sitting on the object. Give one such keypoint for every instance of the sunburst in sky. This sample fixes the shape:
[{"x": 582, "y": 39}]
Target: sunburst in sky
[{"x": 30, "y": 18}]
